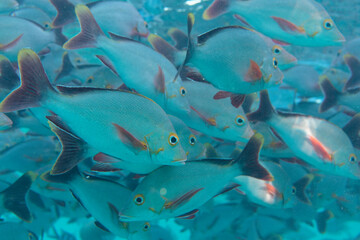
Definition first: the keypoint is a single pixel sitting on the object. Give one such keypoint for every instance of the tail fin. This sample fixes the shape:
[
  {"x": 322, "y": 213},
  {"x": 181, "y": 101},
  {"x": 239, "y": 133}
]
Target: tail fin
[
  {"x": 265, "y": 111},
  {"x": 65, "y": 13},
  {"x": 248, "y": 160},
  {"x": 8, "y": 77},
  {"x": 163, "y": 47},
  {"x": 217, "y": 8},
  {"x": 300, "y": 186},
  {"x": 354, "y": 66},
  {"x": 90, "y": 30},
  {"x": 34, "y": 84},
  {"x": 63, "y": 178},
  {"x": 14, "y": 196},
  {"x": 322, "y": 218},
  {"x": 331, "y": 95},
  {"x": 179, "y": 37}
]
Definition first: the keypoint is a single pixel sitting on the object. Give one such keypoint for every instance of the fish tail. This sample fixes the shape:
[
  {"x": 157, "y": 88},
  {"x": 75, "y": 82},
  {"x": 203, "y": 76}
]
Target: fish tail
[
  {"x": 354, "y": 65},
  {"x": 217, "y": 8},
  {"x": 300, "y": 186},
  {"x": 90, "y": 30},
  {"x": 265, "y": 111},
  {"x": 331, "y": 95},
  {"x": 62, "y": 178},
  {"x": 14, "y": 196},
  {"x": 248, "y": 160},
  {"x": 163, "y": 47},
  {"x": 322, "y": 218},
  {"x": 34, "y": 86},
  {"x": 8, "y": 77},
  {"x": 65, "y": 13}
]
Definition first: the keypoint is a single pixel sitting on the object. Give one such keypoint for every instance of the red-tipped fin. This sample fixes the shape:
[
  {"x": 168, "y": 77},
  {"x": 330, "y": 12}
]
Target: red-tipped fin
[
  {"x": 104, "y": 167},
  {"x": 320, "y": 149},
  {"x": 189, "y": 215},
  {"x": 163, "y": 47},
  {"x": 7, "y": 46},
  {"x": 129, "y": 140},
  {"x": 288, "y": 26},
  {"x": 90, "y": 30},
  {"x": 210, "y": 121},
  {"x": 182, "y": 199},
  {"x": 248, "y": 160},
  {"x": 159, "y": 81},
  {"x": 65, "y": 13},
  {"x": 237, "y": 99},
  {"x": 217, "y": 8},
  {"x": 254, "y": 72},
  {"x": 241, "y": 19},
  {"x": 34, "y": 84},
  {"x": 354, "y": 65},
  {"x": 107, "y": 62},
  {"x": 331, "y": 95},
  {"x": 221, "y": 95},
  {"x": 104, "y": 158}
]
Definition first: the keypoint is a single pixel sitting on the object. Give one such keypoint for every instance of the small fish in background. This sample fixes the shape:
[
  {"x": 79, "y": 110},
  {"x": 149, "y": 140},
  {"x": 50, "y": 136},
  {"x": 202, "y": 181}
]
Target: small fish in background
[
  {"x": 337, "y": 77},
  {"x": 90, "y": 231},
  {"x": 158, "y": 80},
  {"x": 117, "y": 17},
  {"x": 286, "y": 23},
  {"x": 25, "y": 34},
  {"x": 216, "y": 118},
  {"x": 316, "y": 141},
  {"x": 249, "y": 69},
  {"x": 33, "y": 14},
  {"x": 350, "y": 48},
  {"x": 161, "y": 196},
  {"x": 103, "y": 199},
  {"x": 16, "y": 231}
]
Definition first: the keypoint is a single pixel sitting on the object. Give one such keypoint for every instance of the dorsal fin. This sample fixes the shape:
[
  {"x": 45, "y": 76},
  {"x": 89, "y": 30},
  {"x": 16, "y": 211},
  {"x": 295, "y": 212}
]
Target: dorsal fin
[{"x": 201, "y": 39}]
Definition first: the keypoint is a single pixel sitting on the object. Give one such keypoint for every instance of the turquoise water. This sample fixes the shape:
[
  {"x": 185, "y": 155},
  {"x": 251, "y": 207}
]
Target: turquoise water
[{"x": 164, "y": 119}]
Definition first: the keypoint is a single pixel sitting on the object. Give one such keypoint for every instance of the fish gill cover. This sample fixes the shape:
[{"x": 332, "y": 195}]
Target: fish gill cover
[{"x": 154, "y": 119}]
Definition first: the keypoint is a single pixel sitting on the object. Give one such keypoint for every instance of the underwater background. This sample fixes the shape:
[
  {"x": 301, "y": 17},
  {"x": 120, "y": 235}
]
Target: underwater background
[{"x": 171, "y": 119}]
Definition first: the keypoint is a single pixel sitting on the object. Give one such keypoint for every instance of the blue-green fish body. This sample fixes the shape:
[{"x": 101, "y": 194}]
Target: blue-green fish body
[{"x": 298, "y": 22}]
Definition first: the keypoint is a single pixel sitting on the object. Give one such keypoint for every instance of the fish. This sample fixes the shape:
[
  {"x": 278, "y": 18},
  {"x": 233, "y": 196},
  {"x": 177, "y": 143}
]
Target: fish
[
  {"x": 16, "y": 231},
  {"x": 33, "y": 14},
  {"x": 350, "y": 48},
  {"x": 286, "y": 22},
  {"x": 216, "y": 118},
  {"x": 176, "y": 54},
  {"x": 249, "y": 69},
  {"x": 118, "y": 17},
  {"x": 161, "y": 195},
  {"x": 8, "y": 5},
  {"x": 24, "y": 34},
  {"x": 102, "y": 199},
  {"x": 316, "y": 141},
  {"x": 13, "y": 198},
  {"x": 158, "y": 80},
  {"x": 79, "y": 126}
]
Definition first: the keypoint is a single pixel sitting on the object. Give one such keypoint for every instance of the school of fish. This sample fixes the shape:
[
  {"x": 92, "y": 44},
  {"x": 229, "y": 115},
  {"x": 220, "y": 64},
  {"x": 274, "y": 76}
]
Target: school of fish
[{"x": 113, "y": 127}]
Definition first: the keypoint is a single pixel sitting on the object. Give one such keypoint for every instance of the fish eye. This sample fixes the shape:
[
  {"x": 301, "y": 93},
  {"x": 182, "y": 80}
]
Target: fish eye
[
  {"x": 146, "y": 226},
  {"x": 139, "y": 199},
  {"x": 328, "y": 24},
  {"x": 239, "y": 120},
  {"x": 173, "y": 139},
  {"x": 293, "y": 190},
  {"x": 78, "y": 60},
  {"x": 352, "y": 158},
  {"x": 182, "y": 91},
  {"x": 90, "y": 79},
  {"x": 192, "y": 139},
  {"x": 276, "y": 49},
  {"x": 46, "y": 25},
  {"x": 275, "y": 63}
]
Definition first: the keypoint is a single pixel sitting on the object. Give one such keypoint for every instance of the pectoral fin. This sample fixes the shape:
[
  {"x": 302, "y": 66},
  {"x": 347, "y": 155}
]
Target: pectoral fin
[
  {"x": 320, "y": 149},
  {"x": 254, "y": 73},
  {"x": 182, "y": 199},
  {"x": 288, "y": 26},
  {"x": 159, "y": 81},
  {"x": 129, "y": 140},
  {"x": 7, "y": 46},
  {"x": 210, "y": 121}
]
